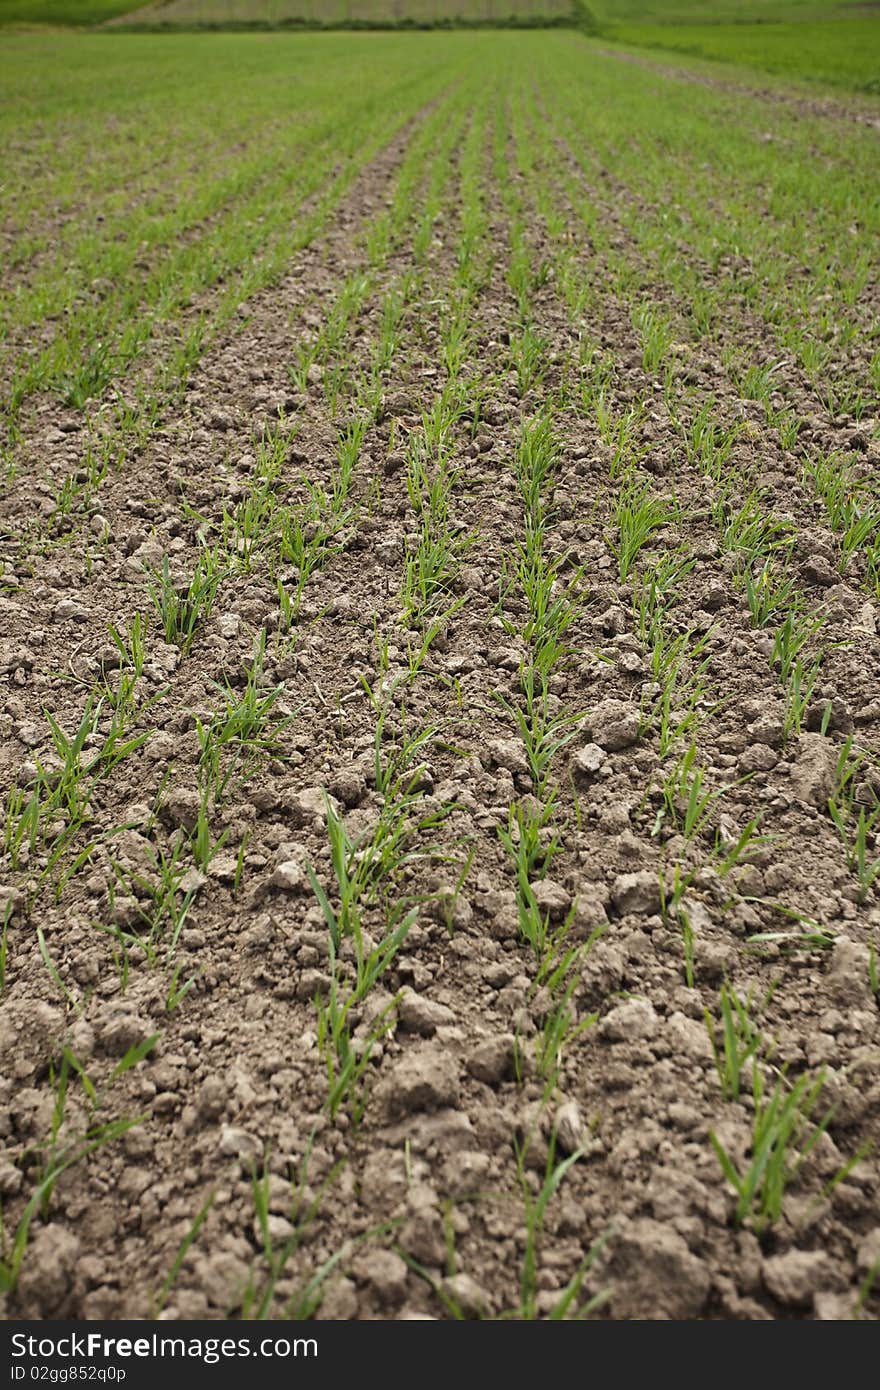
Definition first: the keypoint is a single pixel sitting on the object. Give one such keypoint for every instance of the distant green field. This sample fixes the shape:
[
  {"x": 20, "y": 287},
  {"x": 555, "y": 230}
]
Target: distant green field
[
  {"x": 67, "y": 12},
  {"x": 677, "y": 12},
  {"x": 842, "y": 52},
  {"x": 829, "y": 41},
  {"x": 242, "y": 12}
]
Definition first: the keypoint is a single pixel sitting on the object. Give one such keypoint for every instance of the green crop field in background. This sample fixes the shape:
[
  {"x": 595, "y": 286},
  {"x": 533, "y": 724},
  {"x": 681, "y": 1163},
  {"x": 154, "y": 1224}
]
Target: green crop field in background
[
  {"x": 270, "y": 12},
  {"x": 833, "y": 42},
  {"x": 341, "y": 12},
  {"x": 843, "y": 51},
  {"x": 108, "y": 103},
  {"x": 824, "y": 41},
  {"x": 61, "y": 12},
  {"x": 675, "y": 12}
]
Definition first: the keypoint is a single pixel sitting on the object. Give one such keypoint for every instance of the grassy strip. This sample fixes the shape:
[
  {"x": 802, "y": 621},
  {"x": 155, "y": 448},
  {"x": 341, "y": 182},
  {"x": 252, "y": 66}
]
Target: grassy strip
[{"x": 841, "y": 52}]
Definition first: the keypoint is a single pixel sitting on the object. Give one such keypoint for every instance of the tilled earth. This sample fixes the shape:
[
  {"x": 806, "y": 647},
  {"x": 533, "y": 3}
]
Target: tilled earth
[{"x": 425, "y": 1205}]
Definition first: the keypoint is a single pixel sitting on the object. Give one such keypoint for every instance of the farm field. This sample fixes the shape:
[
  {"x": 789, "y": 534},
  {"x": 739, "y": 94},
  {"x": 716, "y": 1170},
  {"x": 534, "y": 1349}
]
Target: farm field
[
  {"x": 72, "y": 13},
  {"x": 440, "y": 729},
  {"x": 843, "y": 51},
  {"x": 393, "y": 12},
  {"x": 800, "y": 40}
]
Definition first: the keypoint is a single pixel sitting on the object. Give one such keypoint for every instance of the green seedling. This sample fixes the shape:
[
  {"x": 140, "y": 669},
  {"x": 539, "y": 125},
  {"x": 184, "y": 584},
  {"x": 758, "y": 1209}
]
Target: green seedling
[
  {"x": 347, "y": 1058},
  {"x": 258, "y": 1296},
  {"x": 531, "y": 842},
  {"x": 177, "y": 991},
  {"x": 161, "y": 1297},
  {"x": 347, "y": 453},
  {"x": 672, "y": 891},
  {"x": 535, "y": 1206},
  {"x": 687, "y": 941},
  {"x": 58, "y": 1154},
  {"x": 203, "y": 845},
  {"x": 784, "y": 1134},
  {"x": 860, "y": 839},
  {"x": 708, "y": 447},
  {"x": 132, "y": 650},
  {"x": 757, "y": 382},
  {"x": 245, "y": 733},
  {"x": 597, "y": 376},
  {"x": 748, "y": 528},
  {"x": 620, "y": 434},
  {"x": 686, "y": 800},
  {"x": 182, "y": 610},
  {"x": 737, "y": 852},
  {"x": 866, "y": 1288},
  {"x": 162, "y": 905},
  {"x": 788, "y": 426},
  {"x": 768, "y": 595},
  {"x": 61, "y": 801},
  {"x": 791, "y": 640},
  {"x": 553, "y": 607},
  {"x": 543, "y": 735},
  {"x": 739, "y": 1044},
  {"x": 528, "y": 353},
  {"x": 656, "y": 335},
  {"x": 430, "y": 572},
  {"x": 559, "y": 975},
  {"x": 799, "y": 693},
  {"x": 306, "y": 541},
  {"x": 637, "y": 516},
  {"x": 21, "y": 825}
]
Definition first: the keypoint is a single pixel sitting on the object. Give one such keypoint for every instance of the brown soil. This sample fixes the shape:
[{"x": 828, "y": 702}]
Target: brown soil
[{"x": 236, "y": 1078}]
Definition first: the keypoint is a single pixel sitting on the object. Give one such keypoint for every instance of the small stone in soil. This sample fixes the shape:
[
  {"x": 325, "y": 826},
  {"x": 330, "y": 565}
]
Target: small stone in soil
[
  {"x": 587, "y": 761},
  {"x": 466, "y": 1294}
]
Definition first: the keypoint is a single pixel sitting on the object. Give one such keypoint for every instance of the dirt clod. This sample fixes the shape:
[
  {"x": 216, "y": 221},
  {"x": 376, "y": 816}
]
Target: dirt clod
[
  {"x": 795, "y": 1277},
  {"x": 425, "y": 1078},
  {"x": 655, "y": 1274},
  {"x": 636, "y": 892}
]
